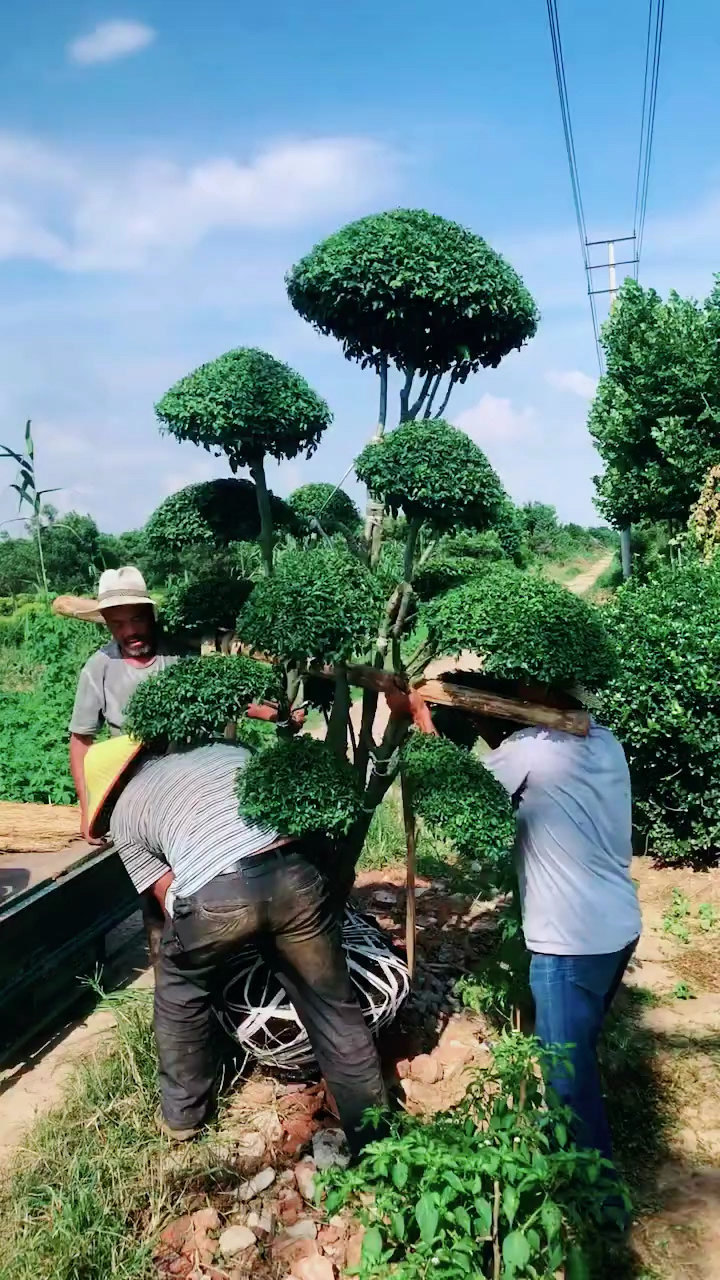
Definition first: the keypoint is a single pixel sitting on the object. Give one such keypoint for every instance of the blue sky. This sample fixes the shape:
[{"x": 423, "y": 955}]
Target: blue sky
[{"x": 163, "y": 164}]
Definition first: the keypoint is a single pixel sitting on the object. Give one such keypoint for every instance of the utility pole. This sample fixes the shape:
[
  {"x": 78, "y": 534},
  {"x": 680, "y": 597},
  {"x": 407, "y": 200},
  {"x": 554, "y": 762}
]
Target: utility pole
[{"x": 625, "y": 557}]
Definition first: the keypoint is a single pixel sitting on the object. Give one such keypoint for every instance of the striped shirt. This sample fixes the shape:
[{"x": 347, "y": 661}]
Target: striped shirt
[{"x": 180, "y": 813}]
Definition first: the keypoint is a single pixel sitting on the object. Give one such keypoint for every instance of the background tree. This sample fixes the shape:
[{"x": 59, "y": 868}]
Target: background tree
[
  {"x": 325, "y": 503},
  {"x": 246, "y": 404},
  {"x": 411, "y": 289},
  {"x": 655, "y": 418}
]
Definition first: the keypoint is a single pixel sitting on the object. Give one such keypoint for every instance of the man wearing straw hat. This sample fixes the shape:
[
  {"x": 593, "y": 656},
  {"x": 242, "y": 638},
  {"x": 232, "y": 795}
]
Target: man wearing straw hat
[
  {"x": 222, "y": 883},
  {"x": 111, "y": 676}
]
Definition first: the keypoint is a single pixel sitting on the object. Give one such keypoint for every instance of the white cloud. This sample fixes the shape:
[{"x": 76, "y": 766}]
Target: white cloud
[
  {"x": 110, "y": 40},
  {"x": 93, "y": 215},
  {"x": 580, "y": 384},
  {"x": 494, "y": 418}
]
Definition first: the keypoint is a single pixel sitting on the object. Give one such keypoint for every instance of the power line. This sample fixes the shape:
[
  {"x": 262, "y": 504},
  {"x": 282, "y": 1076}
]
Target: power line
[{"x": 653, "y": 49}]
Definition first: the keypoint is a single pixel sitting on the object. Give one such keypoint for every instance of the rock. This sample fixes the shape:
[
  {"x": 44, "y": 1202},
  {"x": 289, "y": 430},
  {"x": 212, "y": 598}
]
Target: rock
[
  {"x": 175, "y": 1235},
  {"x": 197, "y": 1241},
  {"x": 403, "y": 1068},
  {"x": 268, "y": 1124},
  {"x": 291, "y": 1207},
  {"x": 180, "y": 1267},
  {"x": 454, "y": 1053},
  {"x": 330, "y": 1149},
  {"x": 250, "y": 1149},
  {"x": 262, "y": 1224},
  {"x": 354, "y": 1250},
  {"x": 385, "y": 897},
  {"x": 298, "y": 1133},
  {"x": 315, "y": 1268},
  {"x": 257, "y": 1093},
  {"x": 303, "y": 1229},
  {"x": 305, "y": 1178},
  {"x": 235, "y": 1239},
  {"x": 290, "y": 1252},
  {"x": 286, "y": 1178},
  {"x": 426, "y": 1068},
  {"x": 248, "y": 1190}
]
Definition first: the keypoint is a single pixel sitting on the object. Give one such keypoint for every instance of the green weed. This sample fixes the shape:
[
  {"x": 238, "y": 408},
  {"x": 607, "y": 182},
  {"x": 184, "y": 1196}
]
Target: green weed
[{"x": 676, "y": 918}]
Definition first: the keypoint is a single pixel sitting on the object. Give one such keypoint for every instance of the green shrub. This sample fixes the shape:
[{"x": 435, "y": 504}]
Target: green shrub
[
  {"x": 192, "y": 701},
  {"x": 460, "y": 800},
  {"x": 524, "y": 627},
  {"x": 247, "y": 404},
  {"x": 492, "y": 1184},
  {"x": 425, "y": 292},
  {"x": 205, "y": 604},
  {"x": 434, "y": 473},
  {"x": 212, "y": 515},
  {"x": 299, "y": 787},
  {"x": 34, "y": 724},
  {"x": 321, "y": 603},
  {"x": 664, "y": 706},
  {"x": 332, "y": 507}
]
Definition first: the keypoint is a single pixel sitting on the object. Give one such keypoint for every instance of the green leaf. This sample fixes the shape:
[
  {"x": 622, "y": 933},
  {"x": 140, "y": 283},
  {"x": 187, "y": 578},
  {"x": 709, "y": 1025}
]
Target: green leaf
[
  {"x": 29, "y": 441},
  {"x": 427, "y": 1216},
  {"x": 372, "y": 1245},
  {"x": 453, "y": 1181},
  {"x": 510, "y": 1202},
  {"x": 400, "y": 1174},
  {"x": 483, "y": 1209},
  {"x": 397, "y": 1222},
  {"x": 516, "y": 1250},
  {"x": 577, "y": 1266},
  {"x": 561, "y": 1134},
  {"x": 551, "y": 1219},
  {"x": 462, "y": 1217}
]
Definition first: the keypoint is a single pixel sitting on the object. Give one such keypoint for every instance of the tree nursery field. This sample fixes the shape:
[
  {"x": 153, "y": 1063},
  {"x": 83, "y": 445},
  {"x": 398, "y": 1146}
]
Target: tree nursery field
[{"x": 307, "y": 601}]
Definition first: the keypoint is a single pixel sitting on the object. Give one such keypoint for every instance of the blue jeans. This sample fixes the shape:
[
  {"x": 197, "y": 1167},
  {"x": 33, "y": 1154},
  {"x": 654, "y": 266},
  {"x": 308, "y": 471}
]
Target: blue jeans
[{"x": 572, "y": 995}]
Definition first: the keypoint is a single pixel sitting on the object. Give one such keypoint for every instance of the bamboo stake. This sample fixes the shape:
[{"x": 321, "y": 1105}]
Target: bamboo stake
[{"x": 410, "y": 913}]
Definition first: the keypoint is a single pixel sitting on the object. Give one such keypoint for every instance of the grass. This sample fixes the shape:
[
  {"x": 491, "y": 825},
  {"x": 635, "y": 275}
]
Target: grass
[{"x": 385, "y": 848}]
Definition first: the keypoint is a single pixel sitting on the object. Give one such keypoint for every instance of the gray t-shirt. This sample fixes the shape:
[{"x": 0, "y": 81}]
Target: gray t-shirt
[
  {"x": 106, "y": 684},
  {"x": 573, "y": 843}
]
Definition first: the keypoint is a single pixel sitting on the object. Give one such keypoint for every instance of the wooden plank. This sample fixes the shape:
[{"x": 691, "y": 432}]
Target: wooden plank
[
  {"x": 410, "y": 905},
  {"x": 489, "y": 704}
]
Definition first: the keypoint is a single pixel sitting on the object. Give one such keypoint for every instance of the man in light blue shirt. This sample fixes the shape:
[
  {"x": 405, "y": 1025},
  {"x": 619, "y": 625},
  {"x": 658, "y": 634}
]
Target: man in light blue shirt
[{"x": 580, "y": 911}]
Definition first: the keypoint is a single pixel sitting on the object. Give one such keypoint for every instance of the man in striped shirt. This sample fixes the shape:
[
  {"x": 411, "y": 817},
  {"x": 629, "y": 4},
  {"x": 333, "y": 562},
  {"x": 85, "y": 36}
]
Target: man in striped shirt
[{"x": 224, "y": 882}]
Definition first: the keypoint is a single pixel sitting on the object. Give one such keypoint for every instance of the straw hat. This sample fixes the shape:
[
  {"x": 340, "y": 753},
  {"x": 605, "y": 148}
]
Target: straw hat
[
  {"x": 106, "y": 766},
  {"x": 117, "y": 587}
]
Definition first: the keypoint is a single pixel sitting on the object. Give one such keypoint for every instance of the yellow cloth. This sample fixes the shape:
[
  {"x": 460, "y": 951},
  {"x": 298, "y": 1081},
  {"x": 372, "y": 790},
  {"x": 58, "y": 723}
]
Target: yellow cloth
[{"x": 105, "y": 765}]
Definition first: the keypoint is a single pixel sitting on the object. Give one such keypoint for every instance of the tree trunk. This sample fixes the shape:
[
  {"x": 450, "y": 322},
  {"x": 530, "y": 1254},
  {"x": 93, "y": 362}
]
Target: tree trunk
[
  {"x": 374, "y": 511},
  {"x": 257, "y": 471}
]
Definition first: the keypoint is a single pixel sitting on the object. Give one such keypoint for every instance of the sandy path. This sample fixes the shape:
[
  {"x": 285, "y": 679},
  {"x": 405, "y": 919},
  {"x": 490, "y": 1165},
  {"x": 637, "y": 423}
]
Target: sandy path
[{"x": 586, "y": 580}]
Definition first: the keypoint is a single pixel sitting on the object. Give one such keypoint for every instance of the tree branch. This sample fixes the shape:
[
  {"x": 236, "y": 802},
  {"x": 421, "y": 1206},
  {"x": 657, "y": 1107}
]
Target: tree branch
[
  {"x": 337, "y": 726},
  {"x": 405, "y": 394},
  {"x": 444, "y": 404},
  {"x": 257, "y": 471},
  {"x": 415, "y": 409},
  {"x": 428, "y": 407}
]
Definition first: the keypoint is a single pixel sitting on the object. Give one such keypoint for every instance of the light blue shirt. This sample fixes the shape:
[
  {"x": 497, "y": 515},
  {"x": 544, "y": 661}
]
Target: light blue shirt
[{"x": 573, "y": 844}]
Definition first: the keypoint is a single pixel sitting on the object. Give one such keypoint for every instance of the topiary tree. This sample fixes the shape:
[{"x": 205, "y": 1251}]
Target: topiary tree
[
  {"x": 326, "y": 505},
  {"x": 664, "y": 706},
  {"x": 213, "y": 515},
  {"x": 412, "y": 289},
  {"x": 246, "y": 404}
]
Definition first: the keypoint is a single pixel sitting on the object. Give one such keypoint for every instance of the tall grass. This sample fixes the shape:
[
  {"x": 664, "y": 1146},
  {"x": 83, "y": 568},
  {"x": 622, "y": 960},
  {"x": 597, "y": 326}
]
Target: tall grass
[{"x": 83, "y": 1198}]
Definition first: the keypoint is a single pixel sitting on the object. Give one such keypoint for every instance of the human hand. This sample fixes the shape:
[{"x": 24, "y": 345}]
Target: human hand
[
  {"x": 268, "y": 712},
  {"x": 411, "y": 705},
  {"x": 96, "y": 842}
]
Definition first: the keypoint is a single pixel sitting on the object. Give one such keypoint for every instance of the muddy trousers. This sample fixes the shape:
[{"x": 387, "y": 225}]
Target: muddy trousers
[{"x": 280, "y": 903}]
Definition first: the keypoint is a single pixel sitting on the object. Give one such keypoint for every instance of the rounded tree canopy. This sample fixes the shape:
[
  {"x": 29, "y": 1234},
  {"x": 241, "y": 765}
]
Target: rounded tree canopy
[
  {"x": 323, "y": 502},
  {"x": 411, "y": 286},
  {"x": 321, "y": 605},
  {"x": 206, "y": 603},
  {"x": 214, "y": 513},
  {"x": 434, "y": 472},
  {"x": 299, "y": 787},
  {"x": 192, "y": 701},
  {"x": 245, "y": 404},
  {"x": 524, "y": 628}
]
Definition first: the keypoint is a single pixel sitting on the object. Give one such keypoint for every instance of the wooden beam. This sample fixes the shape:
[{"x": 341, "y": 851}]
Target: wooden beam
[
  {"x": 410, "y": 904},
  {"x": 489, "y": 704}
]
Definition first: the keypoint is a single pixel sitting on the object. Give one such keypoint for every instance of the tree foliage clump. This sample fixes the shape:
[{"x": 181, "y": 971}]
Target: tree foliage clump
[
  {"x": 656, "y": 417},
  {"x": 193, "y": 701},
  {"x": 664, "y": 706},
  {"x": 212, "y": 515},
  {"x": 34, "y": 716},
  {"x": 460, "y": 800},
  {"x": 434, "y": 473},
  {"x": 299, "y": 787},
  {"x": 414, "y": 288},
  {"x": 211, "y": 602},
  {"x": 524, "y": 627},
  {"x": 320, "y": 604},
  {"x": 245, "y": 404},
  {"x": 334, "y": 508}
]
